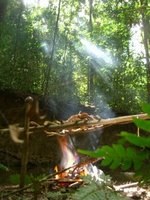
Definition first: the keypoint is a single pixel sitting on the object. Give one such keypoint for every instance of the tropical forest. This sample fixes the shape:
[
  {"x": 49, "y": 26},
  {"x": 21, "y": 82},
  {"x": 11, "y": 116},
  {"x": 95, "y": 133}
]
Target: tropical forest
[{"x": 74, "y": 99}]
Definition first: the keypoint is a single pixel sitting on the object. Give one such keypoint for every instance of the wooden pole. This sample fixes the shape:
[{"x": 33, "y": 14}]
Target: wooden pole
[
  {"x": 25, "y": 150},
  {"x": 85, "y": 125}
]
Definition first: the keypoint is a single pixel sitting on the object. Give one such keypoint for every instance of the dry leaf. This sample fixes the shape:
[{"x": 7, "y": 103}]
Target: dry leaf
[{"x": 14, "y": 133}]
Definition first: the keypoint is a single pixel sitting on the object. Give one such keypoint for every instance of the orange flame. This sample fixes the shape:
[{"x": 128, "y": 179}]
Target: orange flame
[
  {"x": 70, "y": 159},
  {"x": 69, "y": 156}
]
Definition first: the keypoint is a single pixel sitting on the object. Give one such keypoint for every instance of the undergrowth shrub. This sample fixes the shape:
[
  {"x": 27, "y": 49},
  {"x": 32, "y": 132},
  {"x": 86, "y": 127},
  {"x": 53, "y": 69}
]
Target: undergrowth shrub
[{"x": 131, "y": 152}]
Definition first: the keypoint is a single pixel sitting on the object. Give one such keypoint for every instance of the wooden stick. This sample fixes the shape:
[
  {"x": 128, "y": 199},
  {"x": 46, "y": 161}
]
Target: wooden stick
[
  {"x": 25, "y": 146},
  {"x": 121, "y": 187},
  {"x": 86, "y": 125}
]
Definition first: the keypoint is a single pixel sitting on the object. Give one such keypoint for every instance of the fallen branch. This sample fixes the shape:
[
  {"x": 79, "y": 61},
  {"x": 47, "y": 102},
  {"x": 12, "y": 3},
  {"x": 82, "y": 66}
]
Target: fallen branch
[{"x": 128, "y": 185}]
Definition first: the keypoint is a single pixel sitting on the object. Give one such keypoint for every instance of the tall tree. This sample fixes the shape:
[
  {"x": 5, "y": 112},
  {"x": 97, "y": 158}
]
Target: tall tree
[
  {"x": 48, "y": 71},
  {"x": 3, "y": 6},
  {"x": 145, "y": 7},
  {"x": 90, "y": 68}
]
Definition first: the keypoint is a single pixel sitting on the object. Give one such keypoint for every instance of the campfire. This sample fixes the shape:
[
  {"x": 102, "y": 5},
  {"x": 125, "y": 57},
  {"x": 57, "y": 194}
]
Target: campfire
[{"x": 71, "y": 170}]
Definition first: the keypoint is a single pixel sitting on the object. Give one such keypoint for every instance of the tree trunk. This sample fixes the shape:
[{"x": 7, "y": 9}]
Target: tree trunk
[
  {"x": 90, "y": 68},
  {"x": 3, "y": 6},
  {"x": 48, "y": 71},
  {"x": 146, "y": 38}
]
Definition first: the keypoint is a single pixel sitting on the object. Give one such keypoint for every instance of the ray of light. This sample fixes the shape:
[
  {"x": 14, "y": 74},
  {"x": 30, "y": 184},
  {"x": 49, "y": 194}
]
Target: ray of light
[
  {"x": 99, "y": 54},
  {"x": 34, "y": 3},
  {"x": 136, "y": 44}
]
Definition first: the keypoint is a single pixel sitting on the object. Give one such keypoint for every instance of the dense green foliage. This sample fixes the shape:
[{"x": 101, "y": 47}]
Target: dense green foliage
[
  {"x": 77, "y": 48},
  {"x": 132, "y": 152}
]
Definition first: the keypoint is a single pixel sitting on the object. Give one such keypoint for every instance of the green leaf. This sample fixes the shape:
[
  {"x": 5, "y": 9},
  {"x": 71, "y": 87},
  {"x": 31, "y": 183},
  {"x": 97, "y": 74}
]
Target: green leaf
[
  {"x": 131, "y": 153},
  {"x": 117, "y": 155},
  {"x": 138, "y": 160},
  {"x": 120, "y": 150},
  {"x": 105, "y": 150},
  {"x": 3, "y": 167},
  {"x": 137, "y": 163},
  {"x": 15, "y": 179},
  {"x": 127, "y": 160},
  {"x": 142, "y": 124},
  {"x": 126, "y": 164},
  {"x": 146, "y": 108},
  {"x": 107, "y": 161},
  {"x": 100, "y": 152},
  {"x": 116, "y": 163},
  {"x": 138, "y": 141},
  {"x": 94, "y": 154}
]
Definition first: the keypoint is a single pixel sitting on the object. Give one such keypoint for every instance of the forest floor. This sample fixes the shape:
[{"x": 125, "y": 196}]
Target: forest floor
[{"x": 45, "y": 154}]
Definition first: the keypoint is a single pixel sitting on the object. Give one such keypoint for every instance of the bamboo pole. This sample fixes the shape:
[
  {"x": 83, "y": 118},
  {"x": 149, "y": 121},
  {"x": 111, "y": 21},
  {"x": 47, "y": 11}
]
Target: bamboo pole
[{"x": 93, "y": 124}]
